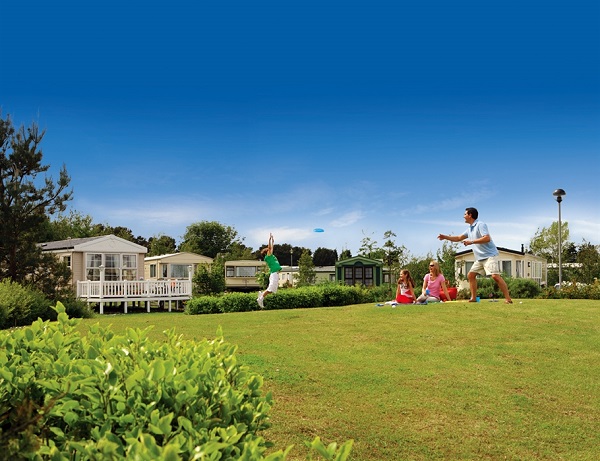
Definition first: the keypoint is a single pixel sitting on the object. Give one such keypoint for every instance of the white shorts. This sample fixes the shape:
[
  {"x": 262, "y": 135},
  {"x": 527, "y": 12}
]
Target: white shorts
[
  {"x": 273, "y": 282},
  {"x": 487, "y": 266}
]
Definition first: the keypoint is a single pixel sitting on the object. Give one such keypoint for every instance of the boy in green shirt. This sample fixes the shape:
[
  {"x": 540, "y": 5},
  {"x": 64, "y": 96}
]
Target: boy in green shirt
[{"x": 274, "y": 268}]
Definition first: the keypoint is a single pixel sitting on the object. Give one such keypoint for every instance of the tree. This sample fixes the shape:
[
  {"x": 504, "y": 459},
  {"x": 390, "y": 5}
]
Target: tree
[
  {"x": 209, "y": 238},
  {"x": 306, "y": 270},
  {"x": 325, "y": 257},
  {"x": 446, "y": 257},
  {"x": 345, "y": 254},
  {"x": 209, "y": 279},
  {"x": 161, "y": 244},
  {"x": 74, "y": 225},
  {"x": 367, "y": 247},
  {"x": 395, "y": 256},
  {"x": 589, "y": 259},
  {"x": 545, "y": 241},
  {"x": 237, "y": 251},
  {"x": 26, "y": 202}
]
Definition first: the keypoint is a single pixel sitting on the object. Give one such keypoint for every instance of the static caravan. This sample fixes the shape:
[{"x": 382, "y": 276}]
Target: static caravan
[
  {"x": 513, "y": 263},
  {"x": 240, "y": 275},
  {"x": 173, "y": 266}
]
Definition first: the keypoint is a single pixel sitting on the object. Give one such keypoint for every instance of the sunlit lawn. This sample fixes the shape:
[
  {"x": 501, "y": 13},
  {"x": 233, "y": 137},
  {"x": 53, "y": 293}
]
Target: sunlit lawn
[{"x": 446, "y": 381}]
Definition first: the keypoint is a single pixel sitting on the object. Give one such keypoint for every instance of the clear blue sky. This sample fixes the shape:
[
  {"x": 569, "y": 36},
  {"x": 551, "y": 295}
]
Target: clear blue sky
[{"x": 283, "y": 116}]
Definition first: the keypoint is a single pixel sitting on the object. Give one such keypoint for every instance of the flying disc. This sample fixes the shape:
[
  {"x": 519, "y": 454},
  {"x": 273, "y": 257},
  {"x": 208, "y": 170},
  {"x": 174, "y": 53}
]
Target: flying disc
[{"x": 318, "y": 229}]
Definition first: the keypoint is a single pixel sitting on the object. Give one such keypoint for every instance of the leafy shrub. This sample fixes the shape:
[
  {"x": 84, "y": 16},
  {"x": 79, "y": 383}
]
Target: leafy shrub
[
  {"x": 374, "y": 294},
  {"x": 20, "y": 305},
  {"x": 573, "y": 290},
  {"x": 76, "y": 308},
  {"x": 523, "y": 288},
  {"x": 237, "y": 302},
  {"x": 203, "y": 305},
  {"x": 339, "y": 295},
  {"x": 113, "y": 397},
  {"x": 487, "y": 288}
]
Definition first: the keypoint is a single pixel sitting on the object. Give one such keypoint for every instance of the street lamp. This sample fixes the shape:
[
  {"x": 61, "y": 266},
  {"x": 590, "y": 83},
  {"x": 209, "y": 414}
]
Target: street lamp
[
  {"x": 291, "y": 257},
  {"x": 558, "y": 193}
]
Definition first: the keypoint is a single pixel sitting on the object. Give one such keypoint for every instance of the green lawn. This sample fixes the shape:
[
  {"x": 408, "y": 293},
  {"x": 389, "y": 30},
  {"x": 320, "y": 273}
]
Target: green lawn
[{"x": 449, "y": 381}]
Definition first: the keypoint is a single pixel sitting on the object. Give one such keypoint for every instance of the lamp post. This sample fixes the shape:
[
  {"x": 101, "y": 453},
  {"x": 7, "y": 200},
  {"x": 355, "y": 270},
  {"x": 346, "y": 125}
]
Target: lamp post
[
  {"x": 558, "y": 193},
  {"x": 291, "y": 257}
]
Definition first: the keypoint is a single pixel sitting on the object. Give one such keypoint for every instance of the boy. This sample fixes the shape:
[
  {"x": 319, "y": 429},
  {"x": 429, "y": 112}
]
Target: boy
[{"x": 274, "y": 268}]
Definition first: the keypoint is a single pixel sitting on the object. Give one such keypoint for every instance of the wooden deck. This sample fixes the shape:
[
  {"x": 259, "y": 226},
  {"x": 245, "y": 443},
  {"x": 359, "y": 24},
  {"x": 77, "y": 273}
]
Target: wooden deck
[{"x": 126, "y": 291}]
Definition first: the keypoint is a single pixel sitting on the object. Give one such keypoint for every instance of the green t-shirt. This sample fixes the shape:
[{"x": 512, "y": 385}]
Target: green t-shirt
[{"x": 273, "y": 264}]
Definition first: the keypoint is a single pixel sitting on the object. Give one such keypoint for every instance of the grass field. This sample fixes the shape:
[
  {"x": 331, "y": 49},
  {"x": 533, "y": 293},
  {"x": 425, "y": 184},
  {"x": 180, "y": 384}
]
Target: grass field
[{"x": 453, "y": 381}]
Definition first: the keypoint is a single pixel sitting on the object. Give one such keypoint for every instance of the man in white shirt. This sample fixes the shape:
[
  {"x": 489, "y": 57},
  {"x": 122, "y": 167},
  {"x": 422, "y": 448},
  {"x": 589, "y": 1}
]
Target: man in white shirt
[{"x": 485, "y": 252}]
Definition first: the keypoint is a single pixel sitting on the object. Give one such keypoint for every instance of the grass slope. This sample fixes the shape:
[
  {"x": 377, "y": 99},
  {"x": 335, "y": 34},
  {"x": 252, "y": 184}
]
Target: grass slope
[{"x": 483, "y": 381}]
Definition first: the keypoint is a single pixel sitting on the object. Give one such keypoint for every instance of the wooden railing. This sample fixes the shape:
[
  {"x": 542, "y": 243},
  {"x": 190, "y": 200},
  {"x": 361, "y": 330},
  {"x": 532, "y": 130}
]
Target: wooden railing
[{"x": 134, "y": 290}]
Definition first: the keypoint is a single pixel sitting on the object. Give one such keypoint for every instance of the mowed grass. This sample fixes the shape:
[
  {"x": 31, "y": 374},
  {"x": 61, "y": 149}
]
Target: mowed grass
[{"x": 452, "y": 381}]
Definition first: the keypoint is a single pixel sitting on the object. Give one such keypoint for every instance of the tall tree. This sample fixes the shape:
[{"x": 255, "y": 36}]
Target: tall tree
[
  {"x": 26, "y": 202},
  {"x": 589, "y": 259},
  {"x": 161, "y": 245},
  {"x": 325, "y": 257},
  {"x": 73, "y": 225},
  {"x": 394, "y": 256},
  {"x": 345, "y": 254},
  {"x": 209, "y": 238},
  {"x": 545, "y": 241},
  {"x": 306, "y": 270},
  {"x": 368, "y": 247}
]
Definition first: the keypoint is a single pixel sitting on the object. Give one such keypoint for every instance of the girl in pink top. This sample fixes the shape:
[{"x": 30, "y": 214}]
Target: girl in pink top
[{"x": 433, "y": 284}]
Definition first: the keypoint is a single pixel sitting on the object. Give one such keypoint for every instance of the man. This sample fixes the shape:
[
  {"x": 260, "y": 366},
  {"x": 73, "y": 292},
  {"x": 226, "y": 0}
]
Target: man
[
  {"x": 274, "y": 269},
  {"x": 485, "y": 252}
]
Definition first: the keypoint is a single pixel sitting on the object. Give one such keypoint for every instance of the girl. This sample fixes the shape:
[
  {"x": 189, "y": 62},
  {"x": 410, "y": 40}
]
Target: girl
[
  {"x": 433, "y": 284},
  {"x": 405, "y": 292}
]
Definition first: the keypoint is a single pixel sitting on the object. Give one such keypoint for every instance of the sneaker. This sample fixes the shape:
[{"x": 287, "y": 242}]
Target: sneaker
[{"x": 261, "y": 302}]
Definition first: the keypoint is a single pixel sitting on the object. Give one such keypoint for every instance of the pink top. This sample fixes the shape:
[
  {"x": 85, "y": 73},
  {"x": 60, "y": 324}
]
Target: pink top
[{"x": 434, "y": 286}]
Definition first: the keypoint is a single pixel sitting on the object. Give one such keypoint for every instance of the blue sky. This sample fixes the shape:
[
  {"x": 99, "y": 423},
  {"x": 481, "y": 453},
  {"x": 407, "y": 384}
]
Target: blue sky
[{"x": 283, "y": 116}]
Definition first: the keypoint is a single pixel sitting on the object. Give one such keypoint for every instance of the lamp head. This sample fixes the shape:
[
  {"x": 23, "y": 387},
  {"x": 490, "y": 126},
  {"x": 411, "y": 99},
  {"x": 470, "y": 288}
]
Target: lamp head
[{"x": 558, "y": 193}]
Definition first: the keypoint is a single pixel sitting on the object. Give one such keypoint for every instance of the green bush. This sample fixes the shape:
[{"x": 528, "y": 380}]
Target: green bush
[
  {"x": 203, "y": 305},
  {"x": 114, "y": 397},
  {"x": 523, "y": 288},
  {"x": 573, "y": 290},
  {"x": 77, "y": 308},
  {"x": 20, "y": 305},
  {"x": 487, "y": 288},
  {"x": 238, "y": 302},
  {"x": 339, "y": 295}
]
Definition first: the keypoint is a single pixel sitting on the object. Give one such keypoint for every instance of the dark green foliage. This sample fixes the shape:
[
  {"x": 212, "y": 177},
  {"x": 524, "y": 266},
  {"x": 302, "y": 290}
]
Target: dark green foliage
[
  {"x": 161, "y": 245},
  {"x": 76, "y": 308},
  {"x": 27, "y": 197}
]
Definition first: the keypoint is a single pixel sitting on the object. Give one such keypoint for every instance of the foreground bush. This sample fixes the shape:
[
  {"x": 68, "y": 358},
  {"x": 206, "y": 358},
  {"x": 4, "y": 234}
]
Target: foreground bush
[{"x": 114, "y": 397}]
